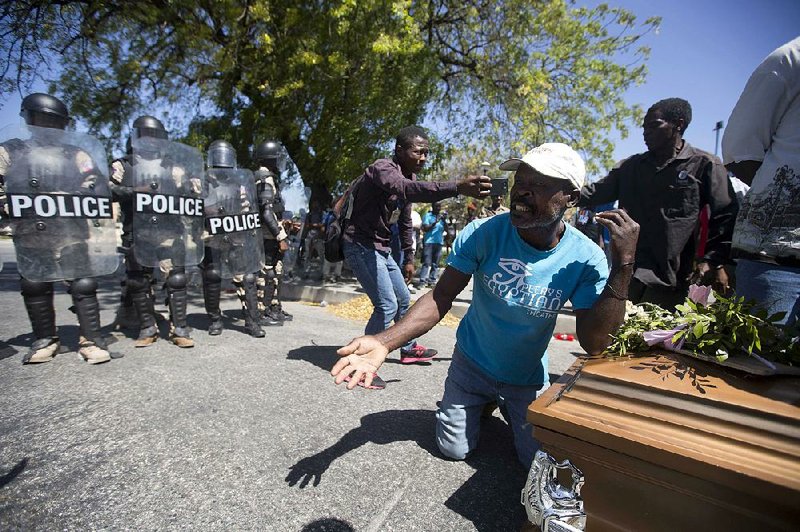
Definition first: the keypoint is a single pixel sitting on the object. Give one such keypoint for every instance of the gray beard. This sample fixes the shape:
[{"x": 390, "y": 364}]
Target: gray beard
[{"x": 537, "y": 224}]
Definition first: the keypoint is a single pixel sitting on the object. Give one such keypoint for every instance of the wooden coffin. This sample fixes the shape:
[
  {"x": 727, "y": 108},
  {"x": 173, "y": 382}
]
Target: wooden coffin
[{"x": 667, "y": 442}]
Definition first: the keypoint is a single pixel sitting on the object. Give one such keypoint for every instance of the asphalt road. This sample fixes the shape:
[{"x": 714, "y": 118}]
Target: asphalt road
[{"x": 237, "y": 433}]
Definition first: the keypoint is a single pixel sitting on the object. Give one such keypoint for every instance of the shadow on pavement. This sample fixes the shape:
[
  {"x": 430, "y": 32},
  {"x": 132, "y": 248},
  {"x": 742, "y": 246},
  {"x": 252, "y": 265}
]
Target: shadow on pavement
[
  {"x": 490, "y": 497},
  {"x": 486, "y": 498},
  {"x": 9, "y": 477},
  {"x": 6, "y": 350},
  {"x": 329, "y": 524},
  {"x": 437, "y": 359},
  {"x": 322, "y": 356},
  {"x": 380, "y": 428}
]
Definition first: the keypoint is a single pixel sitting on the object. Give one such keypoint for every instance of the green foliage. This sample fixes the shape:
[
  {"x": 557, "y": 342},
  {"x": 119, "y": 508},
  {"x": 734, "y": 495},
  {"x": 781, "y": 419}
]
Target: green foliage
[
  {"x": 639, "y": 320},
  {"x": 728, "y": 326},
  {"x": 334, "y": 80}
]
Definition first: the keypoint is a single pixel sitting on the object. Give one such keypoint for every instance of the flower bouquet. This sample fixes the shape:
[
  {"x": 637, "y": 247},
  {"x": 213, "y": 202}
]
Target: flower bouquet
[{"x": 725, "y": 330}]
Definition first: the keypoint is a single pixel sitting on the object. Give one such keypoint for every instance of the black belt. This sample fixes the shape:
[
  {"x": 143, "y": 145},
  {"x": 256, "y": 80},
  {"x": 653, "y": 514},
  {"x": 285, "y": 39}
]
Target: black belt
[{"x": 792, "y": 262}]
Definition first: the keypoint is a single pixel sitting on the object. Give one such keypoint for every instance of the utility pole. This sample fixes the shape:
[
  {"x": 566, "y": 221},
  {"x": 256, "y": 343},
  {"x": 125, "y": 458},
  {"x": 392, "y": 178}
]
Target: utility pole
[{"x": 718, "y": 128}]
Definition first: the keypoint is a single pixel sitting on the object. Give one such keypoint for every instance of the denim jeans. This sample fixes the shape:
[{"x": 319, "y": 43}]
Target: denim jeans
[
  {"x": 776, "y": 288},
  {"x": 382, "y": 280},
  {"x": 467, "y": 390},
  {"x": 431, "y": 253}
]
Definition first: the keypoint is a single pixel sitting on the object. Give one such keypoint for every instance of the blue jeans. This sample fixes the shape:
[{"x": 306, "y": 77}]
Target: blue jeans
[
  {"x": 431, "y": 253},
  {"x": 382, "y": 280},
  {"x": 776, "y": 288},
  {"x": 467, "y": 390}
]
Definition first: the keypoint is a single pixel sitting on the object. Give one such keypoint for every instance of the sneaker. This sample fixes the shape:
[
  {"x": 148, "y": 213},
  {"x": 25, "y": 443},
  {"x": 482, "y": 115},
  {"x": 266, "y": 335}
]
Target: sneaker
[
  {"x": 377, "y": 382},
  {"x": 43, "y": 350},
  {"x": 93, "y": 353},
  {"x": 418, "y": 353}
]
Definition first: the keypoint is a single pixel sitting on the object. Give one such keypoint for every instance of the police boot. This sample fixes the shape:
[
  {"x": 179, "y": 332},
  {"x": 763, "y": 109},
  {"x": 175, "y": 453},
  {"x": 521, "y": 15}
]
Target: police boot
[
  {"x": 127, "y": 317},
  {"x": 176, "y": 288},
  {"x": 38, "y": 299},
  {"x": 212, "y": 288},
  {"x": 285, "y": 316},
  {"x": 275, "y": 313},
  {"x": 251, "y": 314},
  {"x": 278, "y": 312},
  {"x": 91, "y": 345},
  {"x": 265, "y": 317},
  {"x": 139, "y": 289}
]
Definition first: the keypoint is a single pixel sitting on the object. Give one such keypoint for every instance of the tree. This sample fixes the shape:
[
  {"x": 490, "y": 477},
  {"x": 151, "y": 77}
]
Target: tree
[{"x": 334, "y": 79}]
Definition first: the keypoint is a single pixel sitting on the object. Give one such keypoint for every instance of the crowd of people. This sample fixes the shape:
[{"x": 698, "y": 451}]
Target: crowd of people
[
  {"x": 681, "y": 217},
  {"x": 526, "y": 263}
]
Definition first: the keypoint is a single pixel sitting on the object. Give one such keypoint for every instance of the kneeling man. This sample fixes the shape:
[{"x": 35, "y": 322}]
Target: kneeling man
[{"x": 525, "y": 265}]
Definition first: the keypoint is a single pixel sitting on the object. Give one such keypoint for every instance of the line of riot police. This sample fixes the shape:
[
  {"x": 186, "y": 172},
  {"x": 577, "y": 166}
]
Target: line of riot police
[{"x": 56, "y": 189}]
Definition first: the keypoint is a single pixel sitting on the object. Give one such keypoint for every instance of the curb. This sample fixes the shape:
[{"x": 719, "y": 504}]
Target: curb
[{"x": 343, "y": 292}]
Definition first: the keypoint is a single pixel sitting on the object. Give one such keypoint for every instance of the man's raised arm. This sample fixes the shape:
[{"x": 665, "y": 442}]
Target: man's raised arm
[{"x": 595, "y": 325}]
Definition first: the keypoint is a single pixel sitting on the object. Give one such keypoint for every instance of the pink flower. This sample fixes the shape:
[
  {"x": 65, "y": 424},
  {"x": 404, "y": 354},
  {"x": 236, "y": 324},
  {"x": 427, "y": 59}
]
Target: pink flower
[
  {"x": 664, "y": 338},
  {"x": 700, "y": 294}
]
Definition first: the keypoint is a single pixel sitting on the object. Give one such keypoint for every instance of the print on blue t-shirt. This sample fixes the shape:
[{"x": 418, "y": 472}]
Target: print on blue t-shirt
[{"x": 517, "y": 293}]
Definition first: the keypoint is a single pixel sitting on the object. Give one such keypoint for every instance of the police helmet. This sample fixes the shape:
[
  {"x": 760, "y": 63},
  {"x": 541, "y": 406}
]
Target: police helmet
[
  {"x": 267, "y": 151},
  {"x": 221, "y": 155},
  {"x": 44, "y": 110},
  {"x": 148, "y": 126}
]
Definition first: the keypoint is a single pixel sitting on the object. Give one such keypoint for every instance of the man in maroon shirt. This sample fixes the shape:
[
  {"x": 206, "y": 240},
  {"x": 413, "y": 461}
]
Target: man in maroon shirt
[{"x": 383, "y": 197}]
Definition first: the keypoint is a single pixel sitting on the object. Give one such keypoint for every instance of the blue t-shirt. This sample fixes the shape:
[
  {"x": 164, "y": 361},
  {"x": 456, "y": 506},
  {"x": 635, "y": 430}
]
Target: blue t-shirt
[
  {"x": 517, "y": 293},
  {"x": 436, "y": 234}
]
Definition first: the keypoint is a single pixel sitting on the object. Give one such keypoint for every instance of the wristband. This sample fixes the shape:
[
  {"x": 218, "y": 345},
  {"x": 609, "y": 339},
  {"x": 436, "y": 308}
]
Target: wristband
[{"x": 616, "y": 294}]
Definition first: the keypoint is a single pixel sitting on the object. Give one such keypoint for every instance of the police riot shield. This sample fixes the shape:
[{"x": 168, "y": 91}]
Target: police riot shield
[
  {"x": 296, "y": 196},
  {"x": 6, "y": 254},
  {"x": 168, "y": 204},
  {"x": 233, "y": 224},
  {"x": 59, "y": 203}
]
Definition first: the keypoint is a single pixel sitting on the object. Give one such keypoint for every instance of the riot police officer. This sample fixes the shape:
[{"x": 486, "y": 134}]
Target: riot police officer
[
  {"x": 267, "y": 156},
  {"x": 234, "y": 247},
  {"x": 59, "y": 201},
  {"x": 158, "y": 185}
]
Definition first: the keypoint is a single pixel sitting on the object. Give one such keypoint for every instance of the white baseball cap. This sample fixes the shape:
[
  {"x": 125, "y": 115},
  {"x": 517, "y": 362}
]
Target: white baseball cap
[{"x": 553, "y": 159}]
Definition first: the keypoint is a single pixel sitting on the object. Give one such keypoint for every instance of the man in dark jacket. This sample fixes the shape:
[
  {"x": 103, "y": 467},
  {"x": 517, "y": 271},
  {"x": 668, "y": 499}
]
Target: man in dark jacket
[
  {"x": 664, "y": 190},
  {"x": 383, "y": 197}
]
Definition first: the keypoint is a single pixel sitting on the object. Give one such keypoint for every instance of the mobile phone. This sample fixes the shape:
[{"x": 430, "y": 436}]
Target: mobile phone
[{"x": 499, "y": 186}]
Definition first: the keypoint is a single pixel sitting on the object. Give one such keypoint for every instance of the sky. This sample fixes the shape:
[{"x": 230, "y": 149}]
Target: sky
[{"x": 704, "y": 52}]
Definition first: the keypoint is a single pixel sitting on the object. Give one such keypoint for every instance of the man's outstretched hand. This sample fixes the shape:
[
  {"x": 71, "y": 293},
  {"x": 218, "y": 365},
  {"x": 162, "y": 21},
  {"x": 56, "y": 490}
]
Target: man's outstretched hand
[
  {"x": 474, "y": 186},
  {"x": 361, "y": 359}
]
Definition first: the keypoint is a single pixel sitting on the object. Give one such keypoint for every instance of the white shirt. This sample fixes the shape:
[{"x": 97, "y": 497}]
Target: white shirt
[{"x": 765, "y": 126}]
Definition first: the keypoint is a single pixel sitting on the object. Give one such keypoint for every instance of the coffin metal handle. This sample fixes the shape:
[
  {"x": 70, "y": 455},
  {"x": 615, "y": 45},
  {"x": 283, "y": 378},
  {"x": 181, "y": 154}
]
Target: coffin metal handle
[{"x": 550, "y": 505}]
